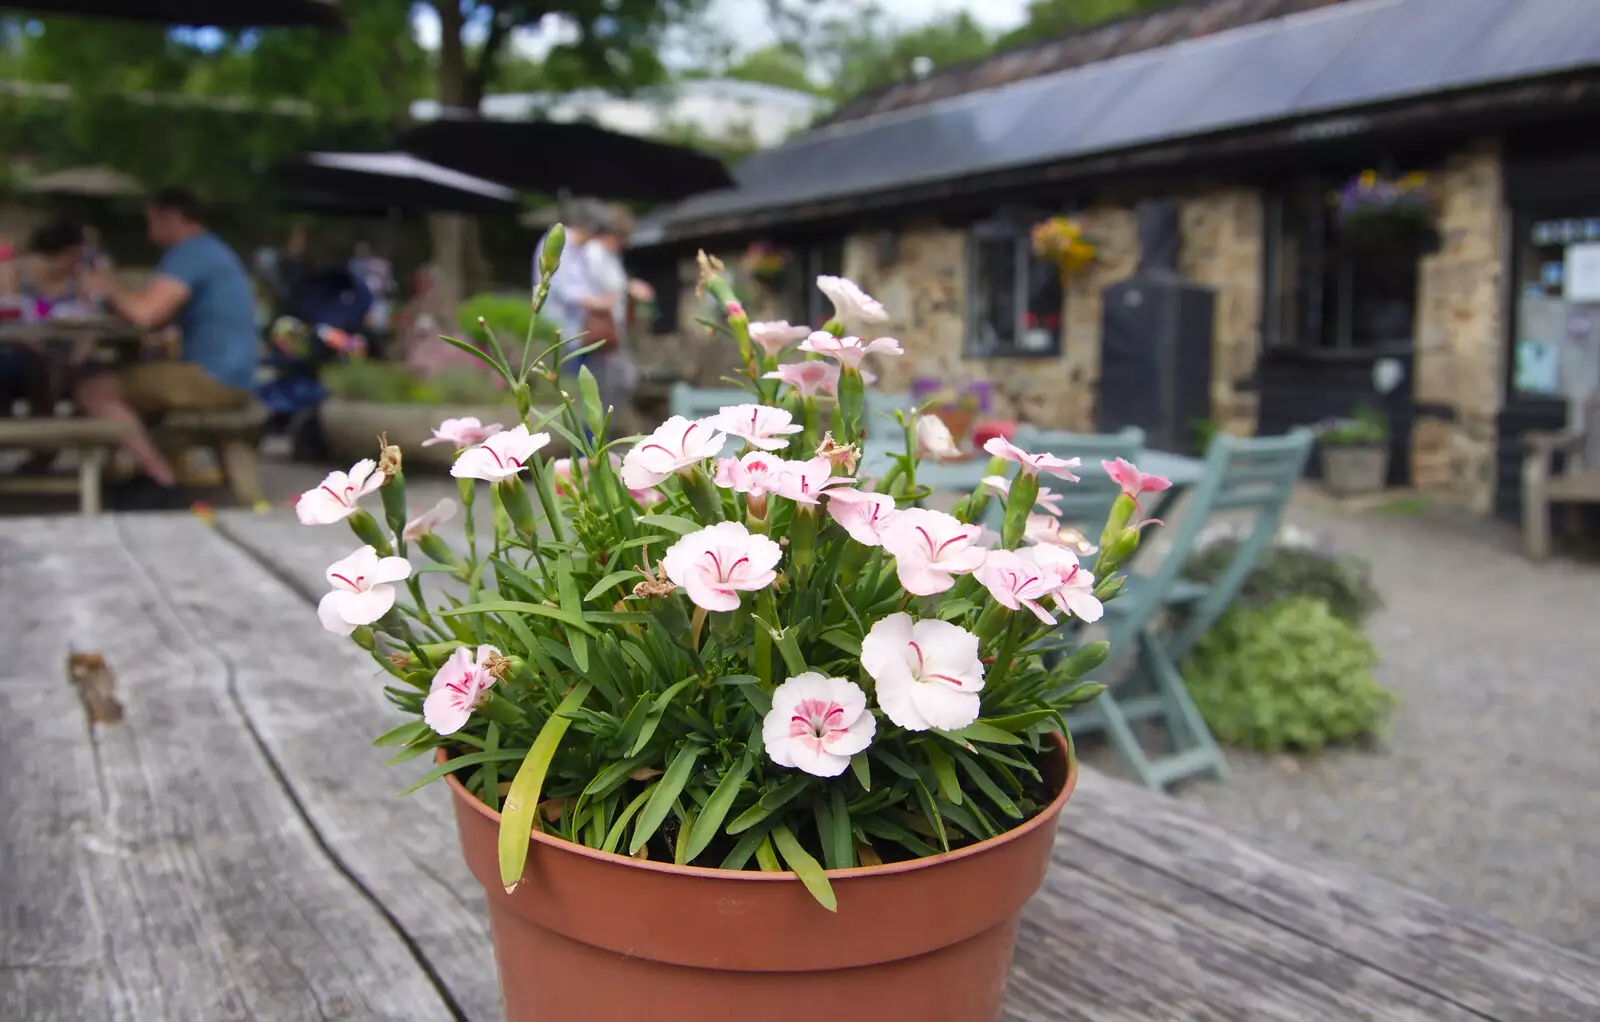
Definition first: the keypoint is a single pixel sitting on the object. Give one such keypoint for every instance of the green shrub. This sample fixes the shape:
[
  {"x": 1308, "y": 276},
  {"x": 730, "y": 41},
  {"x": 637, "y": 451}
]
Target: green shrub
[
  {"x": 389, "y": 383},
  {"x": 1290, "y": 675},
  {"x": 1295, "y": 569},
  {"x": 508, "y": 316}
]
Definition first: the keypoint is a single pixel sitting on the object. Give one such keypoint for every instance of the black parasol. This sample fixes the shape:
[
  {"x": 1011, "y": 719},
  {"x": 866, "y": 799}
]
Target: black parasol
[
  {"x": 550, "y": 157},
  {"x": 375, "y": 182}
]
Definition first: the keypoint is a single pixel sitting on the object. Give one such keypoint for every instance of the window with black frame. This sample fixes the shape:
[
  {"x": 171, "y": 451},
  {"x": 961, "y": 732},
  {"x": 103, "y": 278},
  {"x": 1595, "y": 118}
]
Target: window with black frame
[
  {"x": 1015, "y": 302},
  {"x": 1336, "y": 283}
]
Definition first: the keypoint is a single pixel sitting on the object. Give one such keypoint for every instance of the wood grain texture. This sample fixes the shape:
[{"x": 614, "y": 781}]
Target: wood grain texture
[
  {"x": 158, "y": 869},
  {"x": 315, "y": 702}
]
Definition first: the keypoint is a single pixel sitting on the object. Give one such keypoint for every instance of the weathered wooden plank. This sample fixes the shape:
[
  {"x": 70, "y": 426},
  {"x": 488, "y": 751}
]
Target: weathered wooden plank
[
  {"x": 1112, "y": 940},
  {"x": 315, "y": 703},
  {"x": 158, "y": 869},
  {"x": 1480, "y": 964}
]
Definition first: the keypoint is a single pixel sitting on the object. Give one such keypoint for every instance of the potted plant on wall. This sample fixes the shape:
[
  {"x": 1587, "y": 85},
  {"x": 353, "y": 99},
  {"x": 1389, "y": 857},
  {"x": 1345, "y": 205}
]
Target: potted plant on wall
[
  {"x": 1354, "y": 453},
  {"x": 723, "y": 723},
  {"x": 1061, "y": 240},
  {"x": 958, "y": 405},
  {"x": 1380, "y": 209}
]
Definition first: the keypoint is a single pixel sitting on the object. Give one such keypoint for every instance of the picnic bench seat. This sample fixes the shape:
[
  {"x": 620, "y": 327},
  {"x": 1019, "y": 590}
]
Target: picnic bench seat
[
  {"x": 1577, "y": 484},
  {"x": 92, "y": 439},
  {"x": 234, "y": 849},
  {"x": 234, "y": 435}
]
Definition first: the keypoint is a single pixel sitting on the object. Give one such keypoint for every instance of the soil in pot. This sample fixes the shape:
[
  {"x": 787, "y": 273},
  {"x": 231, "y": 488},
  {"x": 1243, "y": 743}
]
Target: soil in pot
[{"x": 588, "y": 936}]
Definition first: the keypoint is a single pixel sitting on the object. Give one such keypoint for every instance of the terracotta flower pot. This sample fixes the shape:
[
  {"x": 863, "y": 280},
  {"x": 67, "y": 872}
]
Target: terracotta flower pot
[
  {"x": 958, "y": 420},
  {"x": 589, "y": 935}
]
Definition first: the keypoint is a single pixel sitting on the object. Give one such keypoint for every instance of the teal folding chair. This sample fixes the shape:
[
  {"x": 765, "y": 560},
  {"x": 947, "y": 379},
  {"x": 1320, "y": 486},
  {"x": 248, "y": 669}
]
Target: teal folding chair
[
  {"x": 1087, "y": 502},
  {"x": 1242, "y": 475},
  {"x": 884, "y": 439},
  {"x": 699, "y": 402}
]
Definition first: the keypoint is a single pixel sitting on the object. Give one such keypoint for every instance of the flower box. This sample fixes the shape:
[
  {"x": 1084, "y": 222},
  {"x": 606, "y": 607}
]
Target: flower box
[{"x": 723, "y": 722}]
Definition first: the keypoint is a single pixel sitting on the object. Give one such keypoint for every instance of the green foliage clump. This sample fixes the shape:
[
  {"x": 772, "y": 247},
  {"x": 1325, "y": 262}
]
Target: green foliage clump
[
  {"x": 1289, "y": 675},
  {"x": 1367, "y": 427},
  {"x": 509, "y": 317},
  {"x": 1285, "y": 570},
  {"x": 389, "y": 383}
]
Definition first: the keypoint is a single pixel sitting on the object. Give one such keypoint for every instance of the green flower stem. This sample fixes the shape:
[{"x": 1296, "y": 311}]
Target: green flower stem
[
  {"x": 702, "y": 494},
  {"x": 467, "y": 488},
  {"x": 990, "y": 623},
  {"x": 852, "y": 404},
  {"x": 803, "y": 541},
  {"x": 1019, "y": 505},
  {"x": 543, "y": 481},
  {"x": 393, "y": 493},
  {"x": 812, "y": 433},
  {"x": 784, "y": 639},
  {"x": 890, "y": 478},
  {"x": 513, "y": 494},
  {"x": 369, "y": 532},
  {"x": 851, "y": 562}
]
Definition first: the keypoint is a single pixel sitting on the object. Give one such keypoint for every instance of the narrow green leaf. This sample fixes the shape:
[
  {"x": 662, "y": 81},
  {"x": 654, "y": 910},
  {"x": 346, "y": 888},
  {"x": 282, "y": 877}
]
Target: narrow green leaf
[
  {"x": 671, "y": 523},
  {"x": 405, "y": 734},
  {"x": 879, "y": 827},
  {"x": 806, "y": 868},
  {"x": 614, "y": 835},
  {"x": 985, "y": 783},
  {"x": 766, "y": 858},
  {"x": 520, "y": 607},
  {"x": 680, "y": 848},
  {"x": 931, "y": 813},
  {"x": 769, "y": 803},
  {"x": 862, "y": 768},
  {"x": 746, "y": 847},
  {"x": 1014, "y": 723},
  {"x": 567, "y": 588},
  {"x": 980, "y": 731},
  {"x": 480, "y": 354},
  {"x": 716, "y": 808},
  {"x": 843, "y": 640},
  {"x": 522, "y": 801},
  {"x": 409, "y": 753},
  {"x": 450, "y": 766},
  {"x": 667, "y": 791},
  {"x": 945, "y": 771},
  {"x": 843, "y": 855}
]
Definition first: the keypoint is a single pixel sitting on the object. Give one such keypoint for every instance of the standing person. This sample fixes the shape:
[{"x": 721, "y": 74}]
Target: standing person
[
  {"x": 616, "y": 375},
  {"x": 202, "y": 288},
  {"x": 573, "y": 294}
]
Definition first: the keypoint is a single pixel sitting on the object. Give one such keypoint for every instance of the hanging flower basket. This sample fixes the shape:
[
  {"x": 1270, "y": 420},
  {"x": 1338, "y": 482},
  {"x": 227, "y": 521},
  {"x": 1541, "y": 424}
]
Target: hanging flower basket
[
  {"x": 765, "y": 264},
  {"x": 1376, "y": 209},
  {"x": 1062, "y": 241}
]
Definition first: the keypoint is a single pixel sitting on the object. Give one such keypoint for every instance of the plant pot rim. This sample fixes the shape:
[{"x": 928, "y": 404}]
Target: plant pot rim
[
  {"x": 1381, "y": 445},
  {"x": 1048, "y": 814}
]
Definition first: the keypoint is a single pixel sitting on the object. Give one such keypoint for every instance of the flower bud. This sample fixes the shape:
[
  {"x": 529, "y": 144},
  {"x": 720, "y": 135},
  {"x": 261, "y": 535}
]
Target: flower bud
[
  {"x": 364, "y": 638},
  {"x": 550, "y": 256},
  {"x": 367, "y": 530},
  {"x": 514, "y": 498}
]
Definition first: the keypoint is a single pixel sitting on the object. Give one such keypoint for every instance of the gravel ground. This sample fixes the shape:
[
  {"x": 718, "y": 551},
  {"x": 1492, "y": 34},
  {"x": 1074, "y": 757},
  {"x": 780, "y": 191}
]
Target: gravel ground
[{"x": 1487, "y": 792}]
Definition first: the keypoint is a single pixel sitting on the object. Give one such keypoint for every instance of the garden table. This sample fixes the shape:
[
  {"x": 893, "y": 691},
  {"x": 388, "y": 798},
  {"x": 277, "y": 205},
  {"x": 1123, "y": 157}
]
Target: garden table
[{"x": 226, "y": 844}]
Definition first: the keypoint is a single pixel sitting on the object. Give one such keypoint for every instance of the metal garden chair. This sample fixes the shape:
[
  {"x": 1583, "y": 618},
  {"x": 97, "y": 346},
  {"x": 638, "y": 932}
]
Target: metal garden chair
[{"x": 1242, "y": 475}]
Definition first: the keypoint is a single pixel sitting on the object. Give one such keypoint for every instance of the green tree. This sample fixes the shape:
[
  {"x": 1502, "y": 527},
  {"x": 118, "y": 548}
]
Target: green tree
[
  {"x": 1051, "y": 19},
  {"x": 778, "y": 64},
  {"x": 868, "y": 50}
]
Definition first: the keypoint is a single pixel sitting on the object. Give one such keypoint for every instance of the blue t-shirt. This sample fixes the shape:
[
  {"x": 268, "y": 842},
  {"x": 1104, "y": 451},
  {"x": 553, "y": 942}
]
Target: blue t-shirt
[{"x": 219, "y": 320}]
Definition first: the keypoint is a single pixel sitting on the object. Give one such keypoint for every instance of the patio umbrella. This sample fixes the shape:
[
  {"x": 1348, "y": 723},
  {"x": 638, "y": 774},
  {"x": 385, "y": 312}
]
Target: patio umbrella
[
  {"x": 198, "y": 13},
  {"x": 392, "y": 181},
  {"x": 87, "y": 182},
  {"x": 549, "y": 156}
]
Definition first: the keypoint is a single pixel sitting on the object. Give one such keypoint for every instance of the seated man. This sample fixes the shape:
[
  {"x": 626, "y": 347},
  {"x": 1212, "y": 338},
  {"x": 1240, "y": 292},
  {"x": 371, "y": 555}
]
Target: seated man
[{"x": 203, "y": 289}]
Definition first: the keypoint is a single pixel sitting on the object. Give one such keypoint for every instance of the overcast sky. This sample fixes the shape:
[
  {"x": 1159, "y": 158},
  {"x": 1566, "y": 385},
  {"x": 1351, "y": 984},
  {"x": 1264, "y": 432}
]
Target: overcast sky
[{"x": 746, "y": 20}]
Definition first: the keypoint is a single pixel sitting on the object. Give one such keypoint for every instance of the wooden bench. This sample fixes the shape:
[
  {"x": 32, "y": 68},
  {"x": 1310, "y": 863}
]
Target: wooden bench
[
  {"x": 233, "y": 435},
  {"x": 92, "y": 439},
  {"x": 1577, "y": 484},
  {"x": 234, "y": 847}
]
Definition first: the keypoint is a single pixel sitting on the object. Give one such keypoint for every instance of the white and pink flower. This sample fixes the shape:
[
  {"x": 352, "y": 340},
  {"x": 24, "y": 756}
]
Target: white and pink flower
[
  {"x": 1134, "y": 483},
  {"x": 1047, "y": 499},
  {"x": 757, "y": 473},
  {"x": 757, "y": 425},
  {"x": 848, "y": 351},
  {"x": 773, "y": 337},
  {"x": 337, "y": 496},
  {"x": 676, "y": 445},
  {"x": 363, "y": 590},
  {"x": 1075, "y": 595},
  {"x": 458, "y": 688},
  {"x": 863, "y": 515},
  {"x": 1017, "y": 582},
  {"x": 501, "y": 456},
  {"x": 804, "y": 482},
  {"x": 934, "y": 440},
  {"x": 715, "y": 564},
  {"x": 429, "y": 520},
  {"x": 1033, "y": 464},
  {"x": 1047, "y": 529},
  {"x": 809, "y": 378},
  {"x": 930, "y": 548},
  {"x": 927, "y": 673},
  {"x": 817, "y": 723},
  {"x": 852, "y": 306},
  {"x": 463, "y": 432}
]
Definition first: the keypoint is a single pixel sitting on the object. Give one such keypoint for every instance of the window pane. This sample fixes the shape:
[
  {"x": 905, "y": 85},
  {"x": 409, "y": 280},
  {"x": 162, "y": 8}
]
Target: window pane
[
  {"x": 1041, "y": 324},
  {"x": 994, "y": 320}
]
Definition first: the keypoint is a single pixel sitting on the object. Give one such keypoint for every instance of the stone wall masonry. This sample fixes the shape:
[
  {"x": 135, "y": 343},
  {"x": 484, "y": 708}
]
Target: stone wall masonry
[
  {"x": 1222, "y": 248},
  {"x": 1460, "y": 352}
]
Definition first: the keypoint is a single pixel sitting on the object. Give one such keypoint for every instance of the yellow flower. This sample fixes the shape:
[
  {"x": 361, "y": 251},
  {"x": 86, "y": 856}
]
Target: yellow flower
[{"x": 1368, "y": 178}]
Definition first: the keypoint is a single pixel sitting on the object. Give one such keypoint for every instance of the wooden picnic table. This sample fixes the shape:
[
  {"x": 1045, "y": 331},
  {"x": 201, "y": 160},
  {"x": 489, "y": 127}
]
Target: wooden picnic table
[
  {"x": 233, "y": 848},
  {"x": 95, "y": 330}
]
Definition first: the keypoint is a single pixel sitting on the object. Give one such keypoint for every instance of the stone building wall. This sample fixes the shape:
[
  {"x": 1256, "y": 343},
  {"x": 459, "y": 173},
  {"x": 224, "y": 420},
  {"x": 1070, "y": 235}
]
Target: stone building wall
[
  {"x": 1460, "y": 348},
  {"x": 1222, "y": 247},
  {"x": 924, "y": 291}
]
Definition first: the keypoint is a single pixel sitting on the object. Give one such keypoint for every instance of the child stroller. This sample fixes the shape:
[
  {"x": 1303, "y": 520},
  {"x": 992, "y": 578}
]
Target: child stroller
[{"x": 318, "y": 324}]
